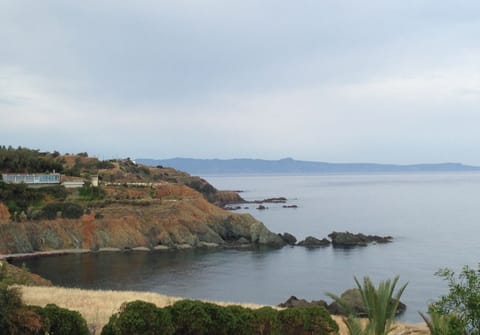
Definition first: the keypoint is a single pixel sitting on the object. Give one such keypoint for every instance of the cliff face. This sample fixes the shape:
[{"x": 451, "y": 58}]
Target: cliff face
[{"x": 177, "y": 217}]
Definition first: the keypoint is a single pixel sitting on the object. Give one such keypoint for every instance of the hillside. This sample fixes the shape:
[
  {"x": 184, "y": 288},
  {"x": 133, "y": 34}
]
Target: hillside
[
  {"x": 291, "y": 166},
  {"x": 133, "y": 206}
]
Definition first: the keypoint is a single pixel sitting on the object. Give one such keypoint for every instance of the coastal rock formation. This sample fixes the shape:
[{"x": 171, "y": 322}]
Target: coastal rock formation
[
  {"x": 288, "y": 238},
  {"x": 293, "y": 302},
  {"x": 278, "y": 200},
  {"x": 223, "y": 198},
  {"x": 313, "y": 242},
  {"x": 178, "y": 217},
  {"x": 347, "y": 239},
  {"x": 353, "y": 298}
]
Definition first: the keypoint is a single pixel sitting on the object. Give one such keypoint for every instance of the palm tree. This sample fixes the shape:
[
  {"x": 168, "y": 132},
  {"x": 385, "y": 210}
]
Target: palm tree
[
  {"x": 440, "y": 324},
  {"x": 380, "y": 305}
]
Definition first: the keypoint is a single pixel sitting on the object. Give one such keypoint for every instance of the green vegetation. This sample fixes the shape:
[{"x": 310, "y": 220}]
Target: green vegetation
[
  {"x": 22, "y": 160},
  {"x": 439, "y": 324},
  {"x": 201, "y": 318},
  {"x": 461, "y": 306},
  {"x": 18, "y": 197},
  {"x": 17, "y": 318},
  {"x": 61, "y": 321},
  {"x": 138, "y": 318},
  {"x": 306, "y": 320},
  {"x": 89, "y": 193},
  {"x": 67, "y": 210},
  {"x": 380, "y": 304}
]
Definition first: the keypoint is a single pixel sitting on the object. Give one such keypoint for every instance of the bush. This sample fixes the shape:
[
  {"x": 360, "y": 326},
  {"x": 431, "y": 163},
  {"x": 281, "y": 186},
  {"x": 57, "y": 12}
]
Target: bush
[
  {"x": 242, "y": 320},
  {"x": 463, "y": 298},
  {"x": 63, "y": 321},
  {"x": 69, "y": 210},
  {"x": 89, "y": 192},
  {"x": 439, "y": 324},
  {"x": 15, "y": 317},
  {"x": 190, "y": 317},
  {"x": 10, "y": 302},
  {"x": 265, "y": 321},
  {"x": 306, "y": 320},
  {"x": 72, "y": 211},
  {"x": 139, "y": 318}
]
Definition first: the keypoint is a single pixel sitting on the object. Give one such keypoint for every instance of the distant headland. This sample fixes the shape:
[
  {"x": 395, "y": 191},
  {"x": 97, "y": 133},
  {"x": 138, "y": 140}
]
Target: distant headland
[{"x": 292, "y": 166}]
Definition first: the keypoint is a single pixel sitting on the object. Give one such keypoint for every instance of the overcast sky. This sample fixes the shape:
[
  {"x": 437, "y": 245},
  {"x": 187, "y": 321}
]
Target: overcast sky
[{"x": 340, "y": 81}]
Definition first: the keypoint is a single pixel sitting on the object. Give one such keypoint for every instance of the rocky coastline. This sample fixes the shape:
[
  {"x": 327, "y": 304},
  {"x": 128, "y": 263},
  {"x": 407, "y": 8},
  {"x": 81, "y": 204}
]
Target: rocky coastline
[{"x": 337, "y": 240}]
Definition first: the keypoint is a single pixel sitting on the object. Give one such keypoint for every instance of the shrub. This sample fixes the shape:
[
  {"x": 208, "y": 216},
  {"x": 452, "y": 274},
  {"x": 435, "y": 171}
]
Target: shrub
[
  {"x": 439, "y": 324},
  {"x": 89, "y": 192},
  {"x": 242, "y": 320},
  {"x": 306, "y": 320},
  {"x": 72, "y": 211},
  {"x": 10, "y": 302},
  {"x": 69, "y": 210},
  {"x": 463, "y": 298},
  {"x": 222, "y": 320},
  {"x": 64, "y": 322},
  {"x": 15, "y": 317},
  {"x": 265, "y": 321},
  {"x": 190, "y": 318},
  {"x": 139, "y": 318}
]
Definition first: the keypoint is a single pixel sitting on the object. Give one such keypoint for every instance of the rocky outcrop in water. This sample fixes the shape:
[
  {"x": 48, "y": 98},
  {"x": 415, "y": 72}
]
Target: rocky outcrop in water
[
  {"x": 293, "y": 302},
  {"x": 313, "y": 242},
  {"x": 347, "y": 239},
  {"x": 288, "y": 238}
]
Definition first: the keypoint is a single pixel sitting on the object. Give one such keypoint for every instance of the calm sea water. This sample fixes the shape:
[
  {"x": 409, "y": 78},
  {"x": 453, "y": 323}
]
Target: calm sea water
[{"x": 434, "y": 218}]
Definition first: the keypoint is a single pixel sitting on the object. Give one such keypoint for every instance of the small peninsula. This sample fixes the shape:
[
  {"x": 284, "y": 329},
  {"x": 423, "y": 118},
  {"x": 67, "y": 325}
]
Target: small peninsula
[{"x": 77, "y": 202}]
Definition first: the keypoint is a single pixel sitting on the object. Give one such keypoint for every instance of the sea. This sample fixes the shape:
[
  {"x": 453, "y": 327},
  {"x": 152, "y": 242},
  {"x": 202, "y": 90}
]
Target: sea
[{"x": 434, "y": 219}]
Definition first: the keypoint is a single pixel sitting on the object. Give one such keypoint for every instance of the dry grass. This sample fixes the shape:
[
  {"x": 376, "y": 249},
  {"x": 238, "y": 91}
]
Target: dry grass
[{"x": 97, "y": 306}]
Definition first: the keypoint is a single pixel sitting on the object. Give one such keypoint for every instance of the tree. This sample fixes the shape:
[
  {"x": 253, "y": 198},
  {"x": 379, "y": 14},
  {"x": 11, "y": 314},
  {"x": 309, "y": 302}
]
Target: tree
[{"x": 463, "y": 298}]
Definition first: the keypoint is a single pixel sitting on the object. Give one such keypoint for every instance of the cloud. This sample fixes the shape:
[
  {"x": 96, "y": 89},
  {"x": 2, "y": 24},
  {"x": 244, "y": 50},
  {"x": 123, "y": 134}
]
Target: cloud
[{"x": 380, "y": 81}]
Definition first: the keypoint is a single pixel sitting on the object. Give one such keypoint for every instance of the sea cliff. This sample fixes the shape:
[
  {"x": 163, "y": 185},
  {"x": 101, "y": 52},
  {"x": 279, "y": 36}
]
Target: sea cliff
[
  {"x": 128, "y": 206},
  {"x": 178, "y": 217}
]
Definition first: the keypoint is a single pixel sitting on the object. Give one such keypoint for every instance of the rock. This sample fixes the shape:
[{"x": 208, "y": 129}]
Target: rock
[
  {"x": 353, "y": 298},
  {"x": 261, "y": 207},
  {"x": 279, "y": 200},
  {"x": 288, "y": 238},
  {"x": 223, "y": 198},
  {"x": 232, "y": 208},
  {"x": 312, "y": 242},
  {"x": 290, "y": 206},
  {"x": 347, "y": 239},
  {"x": 261, "y": 235},
  {"x": 243, "y": 240},
  {"x": 293, "y": 302}
]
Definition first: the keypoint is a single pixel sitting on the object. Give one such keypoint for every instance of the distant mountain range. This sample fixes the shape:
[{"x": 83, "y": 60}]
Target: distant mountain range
[{"x": 291, "y": 166}]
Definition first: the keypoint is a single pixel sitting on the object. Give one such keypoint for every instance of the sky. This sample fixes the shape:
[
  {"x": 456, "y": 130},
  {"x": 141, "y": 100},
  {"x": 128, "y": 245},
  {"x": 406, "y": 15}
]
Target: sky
[{"x": 393, "y": 81}]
